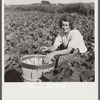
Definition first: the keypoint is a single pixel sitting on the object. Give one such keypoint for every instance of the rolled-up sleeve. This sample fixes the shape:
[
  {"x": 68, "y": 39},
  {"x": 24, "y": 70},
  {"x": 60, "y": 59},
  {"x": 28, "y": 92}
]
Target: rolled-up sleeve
[
  {"x": 58, "y": 41},
  {"x": 77, "y": 42}
]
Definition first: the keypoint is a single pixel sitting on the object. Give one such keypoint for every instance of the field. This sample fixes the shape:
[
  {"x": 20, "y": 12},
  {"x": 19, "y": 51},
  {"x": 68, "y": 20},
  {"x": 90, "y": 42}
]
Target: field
[{"x": 27, "y": 27}]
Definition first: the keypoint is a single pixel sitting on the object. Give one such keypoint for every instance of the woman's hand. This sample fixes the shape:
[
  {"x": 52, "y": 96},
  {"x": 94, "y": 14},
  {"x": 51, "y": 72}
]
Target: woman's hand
[
  {"x": 44, "y": 48},
  {"x": 49, "y": 57}
]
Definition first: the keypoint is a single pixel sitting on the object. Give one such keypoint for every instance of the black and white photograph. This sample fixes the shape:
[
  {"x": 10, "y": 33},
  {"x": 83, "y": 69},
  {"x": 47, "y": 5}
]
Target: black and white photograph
[
  {"x": 49, "y": 41},
  {"x": 49, "y": 50}
]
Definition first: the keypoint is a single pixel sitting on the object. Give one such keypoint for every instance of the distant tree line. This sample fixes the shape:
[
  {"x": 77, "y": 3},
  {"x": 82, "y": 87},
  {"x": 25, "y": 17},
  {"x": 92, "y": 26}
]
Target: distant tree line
[
  {"x": 46, "y": 6},
  {"x": 45, "y": 2}
]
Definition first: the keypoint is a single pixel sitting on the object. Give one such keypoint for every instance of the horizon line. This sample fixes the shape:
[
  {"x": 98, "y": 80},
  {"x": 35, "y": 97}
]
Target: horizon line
[{"x": 50, "y": 3}]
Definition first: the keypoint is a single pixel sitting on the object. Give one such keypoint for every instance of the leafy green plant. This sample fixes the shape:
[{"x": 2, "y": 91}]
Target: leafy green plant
[{"x": 26, "y": 30}]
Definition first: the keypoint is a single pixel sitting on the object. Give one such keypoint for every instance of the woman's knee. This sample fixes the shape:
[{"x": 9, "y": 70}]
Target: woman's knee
[{"x": 62, "y": 59}]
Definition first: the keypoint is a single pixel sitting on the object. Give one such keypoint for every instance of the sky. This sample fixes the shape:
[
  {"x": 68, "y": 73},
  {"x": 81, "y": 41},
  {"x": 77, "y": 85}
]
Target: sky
[{"x": 16, "y": 2}]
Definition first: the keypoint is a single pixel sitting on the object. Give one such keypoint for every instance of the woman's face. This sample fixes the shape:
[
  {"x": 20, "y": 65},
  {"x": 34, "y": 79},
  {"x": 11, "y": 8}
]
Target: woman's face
[{"x": 65, "y": 26}]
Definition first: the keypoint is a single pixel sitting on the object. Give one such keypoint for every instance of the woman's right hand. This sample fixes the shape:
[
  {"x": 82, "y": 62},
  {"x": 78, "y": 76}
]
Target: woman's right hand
[{"x": 44, "y": 48}]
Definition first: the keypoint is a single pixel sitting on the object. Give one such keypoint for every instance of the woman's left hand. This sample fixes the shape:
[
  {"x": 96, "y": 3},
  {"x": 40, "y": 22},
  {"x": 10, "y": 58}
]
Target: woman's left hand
[{"x": 48, "y": 57}]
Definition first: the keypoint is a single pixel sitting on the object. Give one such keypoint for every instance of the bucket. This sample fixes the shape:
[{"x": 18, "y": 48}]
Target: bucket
[{"x": 33, "y": 67}]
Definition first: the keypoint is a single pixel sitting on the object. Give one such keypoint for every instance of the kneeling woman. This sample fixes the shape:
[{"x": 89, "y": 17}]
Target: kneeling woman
[{"x": 71, "y": 40}]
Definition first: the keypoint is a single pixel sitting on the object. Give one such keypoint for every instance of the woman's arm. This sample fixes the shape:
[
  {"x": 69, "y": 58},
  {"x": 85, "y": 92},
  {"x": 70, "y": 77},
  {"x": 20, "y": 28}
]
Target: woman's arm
[
  {"x": 55, "y": 53},
  {"x": 57, "y": 43},
  {"x": 62, "y": 52},
  {"x": 52, "y": 48}
]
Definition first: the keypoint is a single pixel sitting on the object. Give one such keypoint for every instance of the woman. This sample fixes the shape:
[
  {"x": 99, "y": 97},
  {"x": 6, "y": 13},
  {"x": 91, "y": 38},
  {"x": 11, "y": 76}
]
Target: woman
[{"x": 71, "y": 40}]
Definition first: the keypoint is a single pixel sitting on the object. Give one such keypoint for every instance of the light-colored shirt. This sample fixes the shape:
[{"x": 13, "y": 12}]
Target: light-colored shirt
[{"x": 74, "y": 39}]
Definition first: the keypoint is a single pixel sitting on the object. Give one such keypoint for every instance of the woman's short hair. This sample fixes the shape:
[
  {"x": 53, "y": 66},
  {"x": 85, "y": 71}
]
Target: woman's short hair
[{"x": 69, "y": 18}]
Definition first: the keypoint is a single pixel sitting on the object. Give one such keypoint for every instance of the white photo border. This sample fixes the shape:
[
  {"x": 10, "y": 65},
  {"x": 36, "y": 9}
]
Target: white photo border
[{"x": 52, "y": 91}]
